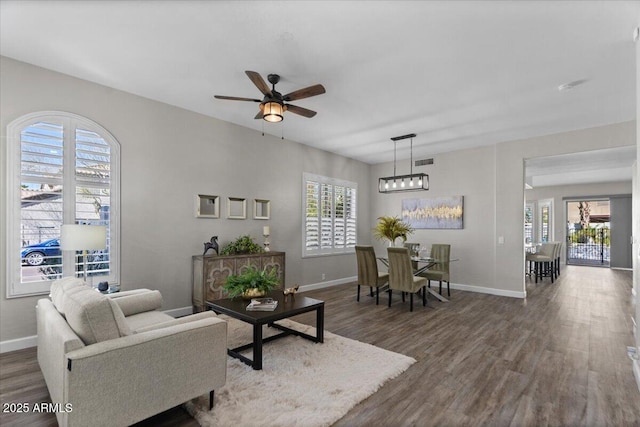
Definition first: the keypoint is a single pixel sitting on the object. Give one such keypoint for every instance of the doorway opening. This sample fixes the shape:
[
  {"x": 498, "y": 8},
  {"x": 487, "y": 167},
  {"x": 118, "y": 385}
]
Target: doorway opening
[{"x": 589, "y": 232}]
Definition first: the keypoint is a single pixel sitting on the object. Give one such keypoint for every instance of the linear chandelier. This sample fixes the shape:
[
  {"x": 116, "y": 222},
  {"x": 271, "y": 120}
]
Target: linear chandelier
[{"x": 398, "y": 183}]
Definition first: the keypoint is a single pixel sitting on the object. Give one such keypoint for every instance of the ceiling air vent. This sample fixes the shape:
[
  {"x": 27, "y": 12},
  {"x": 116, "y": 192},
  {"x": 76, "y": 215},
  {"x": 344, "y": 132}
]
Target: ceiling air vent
[{"x": 424, "y": 162}]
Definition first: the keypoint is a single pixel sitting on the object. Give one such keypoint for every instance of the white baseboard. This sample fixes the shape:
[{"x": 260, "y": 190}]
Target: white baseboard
[
  {"x": 491, "y": 291},
  {"x": 327, "y": 284},
  {"x": 18, "y": 344}
]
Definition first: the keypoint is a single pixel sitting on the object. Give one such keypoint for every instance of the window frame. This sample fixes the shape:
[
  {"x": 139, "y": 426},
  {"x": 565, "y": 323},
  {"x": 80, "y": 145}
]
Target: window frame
[
  {"x": 15, "y": 288},
  {"x": 532, "y": 206},
  {"x": 324, "y": 180},
  {"x": 541, "y": 206}
]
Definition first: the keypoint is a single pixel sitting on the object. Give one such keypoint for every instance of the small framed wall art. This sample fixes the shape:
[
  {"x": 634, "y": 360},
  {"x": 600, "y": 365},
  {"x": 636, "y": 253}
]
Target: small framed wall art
[
  {"x": 207, "y": 206},
  {"x": 261, "y": 209},
  {"x": 236, "y": 208}
]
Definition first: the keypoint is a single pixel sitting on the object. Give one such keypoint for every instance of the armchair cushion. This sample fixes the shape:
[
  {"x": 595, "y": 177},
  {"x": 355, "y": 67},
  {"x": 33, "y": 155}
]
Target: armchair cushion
[
  {"x": 139, "y": 302},
  {"x": 177, "y": 321},
  {"x": 63, "y": 287},
  {"x": 137, "y": 322},
  {"x": 92, "y": 316}
]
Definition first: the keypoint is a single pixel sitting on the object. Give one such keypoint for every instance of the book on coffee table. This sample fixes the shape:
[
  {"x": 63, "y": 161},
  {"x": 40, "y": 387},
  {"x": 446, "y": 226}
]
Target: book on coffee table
[{"x": 262, "y": 304}]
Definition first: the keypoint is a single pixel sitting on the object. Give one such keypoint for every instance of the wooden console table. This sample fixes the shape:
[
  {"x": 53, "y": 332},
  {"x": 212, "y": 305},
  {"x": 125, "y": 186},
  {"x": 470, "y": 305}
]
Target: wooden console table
[{"x": 210, "y": 272}]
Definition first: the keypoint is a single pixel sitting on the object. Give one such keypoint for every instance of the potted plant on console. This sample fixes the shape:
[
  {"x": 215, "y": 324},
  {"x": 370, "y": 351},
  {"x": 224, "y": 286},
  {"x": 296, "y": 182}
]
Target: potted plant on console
[
  {"x": 242, "y": 245},
  {"x": 252, "y": 283}
]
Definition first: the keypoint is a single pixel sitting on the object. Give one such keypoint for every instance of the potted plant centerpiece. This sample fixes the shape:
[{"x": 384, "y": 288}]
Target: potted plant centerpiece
[
  {"x": 242, "y": 245},
  {"x": 253, "y": 283},
  {"x": 390, "y": 228}
]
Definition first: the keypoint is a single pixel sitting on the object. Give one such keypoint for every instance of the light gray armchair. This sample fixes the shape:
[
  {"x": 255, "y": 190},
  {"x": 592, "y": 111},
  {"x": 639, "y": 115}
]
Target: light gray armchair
[{"x": 116, "y": 360}]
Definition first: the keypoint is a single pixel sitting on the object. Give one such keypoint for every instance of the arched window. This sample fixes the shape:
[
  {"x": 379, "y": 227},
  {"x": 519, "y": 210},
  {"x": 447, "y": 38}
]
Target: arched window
[{"x": 62, "y": 169}]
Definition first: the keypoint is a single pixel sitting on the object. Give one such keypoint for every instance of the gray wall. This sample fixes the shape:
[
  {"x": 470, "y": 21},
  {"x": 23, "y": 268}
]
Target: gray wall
[
  {"x": 491, "y": 179},
  {"x": 510, "y": 185},
  {"x": 636, "y": 216},
  {"x": 168, "y": 156},
  {"x": 621, "y": 232},
  {"x": 469, "y": 173}
]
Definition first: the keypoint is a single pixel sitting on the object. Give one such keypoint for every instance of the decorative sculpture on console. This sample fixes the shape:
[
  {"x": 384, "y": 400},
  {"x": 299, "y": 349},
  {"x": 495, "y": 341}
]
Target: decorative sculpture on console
[{"x": 212, "y": 244}]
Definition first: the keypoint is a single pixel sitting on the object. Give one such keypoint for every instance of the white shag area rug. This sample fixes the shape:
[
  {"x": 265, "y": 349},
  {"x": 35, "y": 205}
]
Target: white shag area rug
[{"x": 301, "y": 383}]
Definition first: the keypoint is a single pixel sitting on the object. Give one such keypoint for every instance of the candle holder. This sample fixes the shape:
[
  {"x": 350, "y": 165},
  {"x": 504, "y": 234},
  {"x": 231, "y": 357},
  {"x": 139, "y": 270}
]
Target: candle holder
[{"x": 266, "y": 232}]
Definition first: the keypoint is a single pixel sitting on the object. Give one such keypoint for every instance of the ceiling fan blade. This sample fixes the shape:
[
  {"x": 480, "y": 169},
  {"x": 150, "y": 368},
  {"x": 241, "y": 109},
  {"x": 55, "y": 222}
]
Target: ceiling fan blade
[
  {"x": 235, "y": 98},
  {"x": 259, "y": 115},
  {"x": 300, "y": 111},
  {"x": 305, "y": 93},
  {"x": 259, "y": 82}
]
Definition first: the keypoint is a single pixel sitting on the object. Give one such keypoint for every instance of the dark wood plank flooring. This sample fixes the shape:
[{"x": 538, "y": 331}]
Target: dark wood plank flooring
[{"x": 557, "y": 358}]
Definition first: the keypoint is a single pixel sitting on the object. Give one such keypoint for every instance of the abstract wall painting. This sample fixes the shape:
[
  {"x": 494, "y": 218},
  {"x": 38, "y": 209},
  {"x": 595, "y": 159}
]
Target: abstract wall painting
[{"x": 438, "y": 212}]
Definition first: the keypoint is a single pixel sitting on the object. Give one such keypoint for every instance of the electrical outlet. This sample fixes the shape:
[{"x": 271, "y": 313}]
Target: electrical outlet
[{"x": 323, "y": 276}]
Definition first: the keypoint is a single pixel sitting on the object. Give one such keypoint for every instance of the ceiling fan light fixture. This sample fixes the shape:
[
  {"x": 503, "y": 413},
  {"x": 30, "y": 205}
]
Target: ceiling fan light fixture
[{"x": 272, "y": 111}]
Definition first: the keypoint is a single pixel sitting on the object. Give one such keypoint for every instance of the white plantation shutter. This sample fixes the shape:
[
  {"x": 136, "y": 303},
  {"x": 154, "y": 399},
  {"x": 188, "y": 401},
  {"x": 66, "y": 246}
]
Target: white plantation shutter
[
  {"x": 350, "y": 218},
  {"x": 312, "y": 219},
  {"x": 326, "y": 216},
  {"x": 330, "y": 220},
  {"x": 60, "y": 171},
  {"x": 41, "y": 184}
]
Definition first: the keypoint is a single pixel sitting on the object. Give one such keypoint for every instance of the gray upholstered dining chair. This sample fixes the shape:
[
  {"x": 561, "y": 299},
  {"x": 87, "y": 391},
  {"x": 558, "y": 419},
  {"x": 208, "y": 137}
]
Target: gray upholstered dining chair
[
  {"x": 544, "y": 261},
  {"x": 414, "y": 249},
  {"x": 556, "y": 258},
  {"x": 368, "y": 274},
  {"x": 401, "y": 276},
  {"x": 440, "y": 270}
]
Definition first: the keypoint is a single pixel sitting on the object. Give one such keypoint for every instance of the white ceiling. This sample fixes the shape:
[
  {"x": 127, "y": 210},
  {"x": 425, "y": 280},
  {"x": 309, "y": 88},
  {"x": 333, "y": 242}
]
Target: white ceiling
[
  {"x": 458, "y": 74},
  {"x": 588, "y": 167}
]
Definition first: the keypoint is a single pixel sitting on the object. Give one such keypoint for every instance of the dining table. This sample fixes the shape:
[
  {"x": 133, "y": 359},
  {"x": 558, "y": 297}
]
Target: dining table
[{"x": 427, "y": 263}]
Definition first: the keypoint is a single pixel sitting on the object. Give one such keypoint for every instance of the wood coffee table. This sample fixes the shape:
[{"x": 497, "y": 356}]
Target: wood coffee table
[{"x": 291, "y": 306}]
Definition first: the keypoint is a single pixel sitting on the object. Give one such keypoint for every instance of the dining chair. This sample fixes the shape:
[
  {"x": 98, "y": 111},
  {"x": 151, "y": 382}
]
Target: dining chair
[
  {"x": 401, "y": 276},
  {"x": 368, "y": 274},
  {"x": 556, "y": 261},
  {"x": 440, "y": 270},
  {"x": 543, "y": 261},
  {"x": 414, "y": 249}
]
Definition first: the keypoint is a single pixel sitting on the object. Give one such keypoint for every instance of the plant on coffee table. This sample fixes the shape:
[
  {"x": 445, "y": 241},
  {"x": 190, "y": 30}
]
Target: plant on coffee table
[{"x": 252, "y": 283}]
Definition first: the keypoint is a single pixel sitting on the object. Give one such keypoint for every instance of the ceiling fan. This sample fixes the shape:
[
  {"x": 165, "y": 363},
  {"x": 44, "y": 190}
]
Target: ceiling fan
[{"x": 274, "y": 104}]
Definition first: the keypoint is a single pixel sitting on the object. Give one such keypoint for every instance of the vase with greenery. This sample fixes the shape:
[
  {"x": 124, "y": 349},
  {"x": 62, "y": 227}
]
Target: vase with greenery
[
  {"x": 253, "y": 283},
  {"x": 391, "y": 228},
  {"x": 242, "y": 245}
]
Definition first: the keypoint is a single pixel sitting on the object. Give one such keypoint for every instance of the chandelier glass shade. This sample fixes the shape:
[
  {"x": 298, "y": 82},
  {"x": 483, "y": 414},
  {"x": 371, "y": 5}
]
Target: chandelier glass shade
[{"x": 397, "y": 183}]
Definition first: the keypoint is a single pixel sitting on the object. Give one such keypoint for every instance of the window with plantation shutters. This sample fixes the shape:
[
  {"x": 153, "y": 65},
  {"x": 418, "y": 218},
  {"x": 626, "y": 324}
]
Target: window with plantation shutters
[
  {"x": 62, "y": 169},
  {"x": 330, "y": 219}
]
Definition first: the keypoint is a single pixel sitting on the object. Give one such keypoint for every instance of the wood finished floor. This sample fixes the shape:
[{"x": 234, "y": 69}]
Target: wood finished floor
[{"x": 557, "y": 358}]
